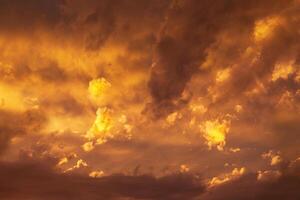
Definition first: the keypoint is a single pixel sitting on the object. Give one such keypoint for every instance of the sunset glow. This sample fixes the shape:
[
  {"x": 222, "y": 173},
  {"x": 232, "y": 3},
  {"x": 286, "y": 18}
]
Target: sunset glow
[{"x": 149, "y": 99}]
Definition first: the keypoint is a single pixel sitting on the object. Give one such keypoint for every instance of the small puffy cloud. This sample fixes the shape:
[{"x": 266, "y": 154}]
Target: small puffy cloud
[
  {"x": 79, "y": 164},
  {"x": 98, "y": 90},
  {"x": 171, "y": 118},
  {"x": 234, "y": 174},
  {"x": 88, "y": 146},
  {"x": 62, "y": 161},
  {"x": 216, "y": 181},
  {"x": 276, "y": 160},
  {"x": 274, "y": 157},
  {"x": 197, "y": 108},
  {"x": 235, "y": 150},
  {"x": 98, "y": 87},
  {"x": 269, "y": 175},
  {"x": 184, "y": 168},
  {"x": 238, "y": 108},
  {"x": 96, "y": 174},
  {"x": 223, "y": 75},
  {"x": 283, "y": 71},
  {"x": 264, "y": 28},
  {"x": 215, "y": 133},
  {"x": 66, "y": 159}
]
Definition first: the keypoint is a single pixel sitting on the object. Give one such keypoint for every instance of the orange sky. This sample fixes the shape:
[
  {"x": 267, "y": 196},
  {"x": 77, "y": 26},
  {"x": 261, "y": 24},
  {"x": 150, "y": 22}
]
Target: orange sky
[{"x": 149, "y": 99}]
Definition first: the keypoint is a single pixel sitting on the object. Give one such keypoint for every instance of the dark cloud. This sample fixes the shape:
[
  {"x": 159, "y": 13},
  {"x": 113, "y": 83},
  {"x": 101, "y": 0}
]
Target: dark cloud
[
  {"x": 37, "y": 181},
  {"x": 21, "y": 16},
  {"x": 13, "y": 124},
  {"x": 124, "y": 21},
  {"x": 249, "y": 188},
  {"x": 286, "y": 132},
  {"x": 52, "y": 73},
  {"x": 190, "y": 29}
]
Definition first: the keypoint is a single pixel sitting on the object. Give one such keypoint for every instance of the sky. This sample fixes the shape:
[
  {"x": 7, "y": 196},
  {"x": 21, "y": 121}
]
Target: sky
[{"x": 149, "y": 99}]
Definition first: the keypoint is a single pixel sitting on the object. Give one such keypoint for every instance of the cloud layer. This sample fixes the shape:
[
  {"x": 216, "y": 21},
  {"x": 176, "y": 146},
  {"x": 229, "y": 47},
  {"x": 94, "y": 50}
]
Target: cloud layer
[{"x": 182, "y": 99}]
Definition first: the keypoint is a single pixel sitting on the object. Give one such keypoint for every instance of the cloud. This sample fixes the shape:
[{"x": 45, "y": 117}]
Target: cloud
[
  {"x": 215, "y": 132},
  {"x": 63, "y": 103},
  {"x": 91, "y": 76},
  {"x": 22, "y": 17},
  {"x": 52, "y": 73},
  {"x": 38, "y": 181},
  {"x": 190, "y": 29},
  {"x": 274, "y": 184},
  {"x": 248, "y": 187},
  {"x": 14, "y": 124}
]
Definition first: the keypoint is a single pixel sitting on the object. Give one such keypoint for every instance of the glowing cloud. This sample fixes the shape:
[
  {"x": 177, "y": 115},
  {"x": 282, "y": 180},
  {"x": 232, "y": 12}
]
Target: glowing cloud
[
  {"x": 215, "y": 132},
  {"x": 264, "y": 27},
  {"x": 79, "y": 164},
  {"x": 171, "y": 118},
  {"x": 223, "y": 75},
  {"x": 198, "y": 108},
  {"x": 98, "y": 87},
  {"x": 238, "y": 108},
  {"x": 282, "y": 71},
  {"x": 145, "y": 89},
  {"x": 268, "y": 175},
  {"x": 234, "y": 150},
  {"x": 236, "y": 172},
  {"x": 96, "y": 174},
  {"x": 274, "y": 157},
  {"x": 88, "y": 146},
  {"x": 101, "y": 126},
  {"x": 62, "y": 161},
  {"x": 184, "y": 169},
  {"x": 107, "y": 125}
]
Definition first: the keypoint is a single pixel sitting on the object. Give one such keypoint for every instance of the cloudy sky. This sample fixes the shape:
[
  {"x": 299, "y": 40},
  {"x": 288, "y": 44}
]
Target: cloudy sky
[{"x": 149, "y": 99}]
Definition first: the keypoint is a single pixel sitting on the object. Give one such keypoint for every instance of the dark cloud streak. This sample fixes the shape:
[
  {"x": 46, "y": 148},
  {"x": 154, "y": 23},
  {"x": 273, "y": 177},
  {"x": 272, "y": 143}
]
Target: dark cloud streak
[{"x": 38, "y": 181}]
